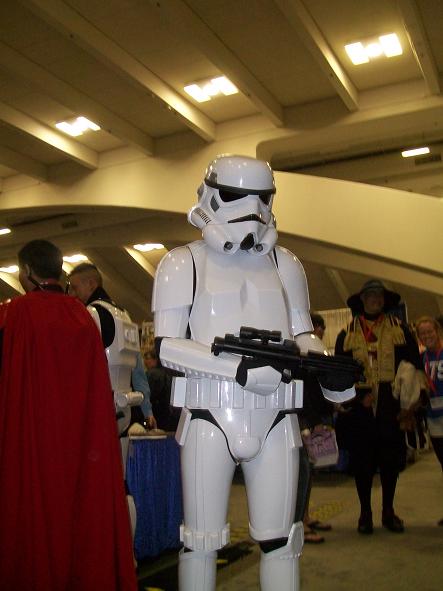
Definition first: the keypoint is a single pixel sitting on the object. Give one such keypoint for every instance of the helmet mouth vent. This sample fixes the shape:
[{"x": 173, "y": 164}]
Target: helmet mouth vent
[{"x": 253, "y": 217}]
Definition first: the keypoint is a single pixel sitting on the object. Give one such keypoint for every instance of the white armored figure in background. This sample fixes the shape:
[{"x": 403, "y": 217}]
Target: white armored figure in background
[
  {"x": 121, "y": 354},
  {"x": 122, "y": 347},
  {"x": 235, "y": 411}
]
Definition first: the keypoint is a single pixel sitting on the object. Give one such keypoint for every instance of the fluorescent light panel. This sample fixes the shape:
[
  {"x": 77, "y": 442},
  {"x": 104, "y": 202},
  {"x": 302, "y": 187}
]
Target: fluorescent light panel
[
  {"x": 148, "y": 247},
  {"x": 362, "y": 52},
  {"x": 204, "y": 91},
  {"x": 391, "y": 45},
  {"x": 10, "y": 269},
  {"x": 415, "y": 152},
  {"x": 75, "y": 258},
  {"x": 357, "y": 53},
  {"x": 77, "y": 126}
]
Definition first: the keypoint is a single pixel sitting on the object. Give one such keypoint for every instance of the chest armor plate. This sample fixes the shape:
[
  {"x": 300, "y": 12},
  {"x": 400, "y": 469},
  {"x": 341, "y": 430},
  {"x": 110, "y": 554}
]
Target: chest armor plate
[{"x": 234, "y": 291}]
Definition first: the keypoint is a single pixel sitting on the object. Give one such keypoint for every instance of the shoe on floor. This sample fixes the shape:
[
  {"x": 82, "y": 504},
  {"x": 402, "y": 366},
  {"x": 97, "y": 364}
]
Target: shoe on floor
[
  {"x": 312, "y": 537},
  {"x": 393, "y": 523},
  {"x": 365, "y": 525},
  {"x": 319, "y": 525}
]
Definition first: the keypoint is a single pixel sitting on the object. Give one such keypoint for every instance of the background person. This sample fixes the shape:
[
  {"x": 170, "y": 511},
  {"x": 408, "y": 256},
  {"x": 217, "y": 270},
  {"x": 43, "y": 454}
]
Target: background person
[
  {"x": 430, "y": 334},
  {"x": 379, "y": 341},
  {"x": 64, "y": 519},
  {"x": 316, "y": 415},
  {"x": 86, "y": 283},
  {"x": 125, "y": 364}
]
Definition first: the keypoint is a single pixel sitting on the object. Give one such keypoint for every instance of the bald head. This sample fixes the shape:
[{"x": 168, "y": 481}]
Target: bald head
[{"x": 84, "y": 280}]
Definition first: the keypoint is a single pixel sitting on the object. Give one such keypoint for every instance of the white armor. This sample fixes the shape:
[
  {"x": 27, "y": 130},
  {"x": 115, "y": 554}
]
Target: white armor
[
  {"x": 234, "y": 277},
  {"x": 122, "y": 357}
]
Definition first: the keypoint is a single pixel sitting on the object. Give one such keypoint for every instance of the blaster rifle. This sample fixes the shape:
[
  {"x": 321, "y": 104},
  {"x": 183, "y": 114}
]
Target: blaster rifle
[{"x": 265, "y": 347}]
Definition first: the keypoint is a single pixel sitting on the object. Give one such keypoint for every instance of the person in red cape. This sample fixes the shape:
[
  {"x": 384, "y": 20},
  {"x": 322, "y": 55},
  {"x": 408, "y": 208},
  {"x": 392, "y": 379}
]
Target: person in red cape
[{"x": 64, "y": 523}]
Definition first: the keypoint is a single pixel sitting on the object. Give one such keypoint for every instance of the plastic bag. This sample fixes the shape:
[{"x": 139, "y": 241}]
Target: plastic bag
[{"x": 322, "y": 447}]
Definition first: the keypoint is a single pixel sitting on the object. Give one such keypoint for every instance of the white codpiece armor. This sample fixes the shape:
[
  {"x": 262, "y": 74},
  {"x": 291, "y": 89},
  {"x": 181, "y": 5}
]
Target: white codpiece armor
[
  {"x": 234, "y": 277},
  {"x": 122, "y": 356}
]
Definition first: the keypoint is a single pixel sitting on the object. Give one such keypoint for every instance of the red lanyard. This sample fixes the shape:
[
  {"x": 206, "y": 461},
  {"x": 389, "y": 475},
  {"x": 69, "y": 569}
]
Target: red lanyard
[
  {"x": 431, "y": 373},
  {"x": 368, "y": 331}
]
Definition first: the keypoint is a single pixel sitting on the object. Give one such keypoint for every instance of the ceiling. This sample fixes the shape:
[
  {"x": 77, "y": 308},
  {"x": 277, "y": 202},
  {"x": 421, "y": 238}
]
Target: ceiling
[{"x": 124, "y": 63}]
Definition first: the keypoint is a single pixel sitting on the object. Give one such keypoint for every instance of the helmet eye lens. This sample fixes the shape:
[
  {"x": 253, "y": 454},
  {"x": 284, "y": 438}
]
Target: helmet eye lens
[{"x": 228, "y": 196}]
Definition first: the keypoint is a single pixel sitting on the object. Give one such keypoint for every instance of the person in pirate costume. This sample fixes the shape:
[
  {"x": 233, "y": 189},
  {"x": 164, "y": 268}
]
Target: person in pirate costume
[{"x": 380, "y": 341}]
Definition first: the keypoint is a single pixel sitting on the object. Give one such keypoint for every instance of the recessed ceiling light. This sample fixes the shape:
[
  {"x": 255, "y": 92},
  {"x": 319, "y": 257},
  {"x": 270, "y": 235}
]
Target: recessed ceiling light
[
  {"x": 148, "y": 247},
  {"x": 391, "y": 45},
  {"x": 75, "y": 258},
  {"x": 206, "y": 89},
  {"x": 224, "y": 85},
  {"x": 77, "y": 126},
  {"x": 197, "y": 93},
  {"x": 373, "y": 50},
  {"x": 357, "y": 53},
  {"x": 415, "y": 152},
  {"x": 363, "y": 51},
  {"x": 10, "y": 269},
  {"x": 5, "y": 231}
]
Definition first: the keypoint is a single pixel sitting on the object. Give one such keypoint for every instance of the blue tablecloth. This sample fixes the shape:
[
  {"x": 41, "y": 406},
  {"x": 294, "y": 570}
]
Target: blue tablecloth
[{"x": 153, "y": 479}]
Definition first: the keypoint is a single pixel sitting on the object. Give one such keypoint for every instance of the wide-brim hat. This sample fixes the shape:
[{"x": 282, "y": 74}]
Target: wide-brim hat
[{"x": 392, "y": 298}]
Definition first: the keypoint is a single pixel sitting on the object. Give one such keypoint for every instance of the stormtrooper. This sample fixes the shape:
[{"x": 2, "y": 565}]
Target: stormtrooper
[
  {"x": 121, "y": 355},
  {"x": 121, "y": 342},
  {"x": 233, "y": 411}
]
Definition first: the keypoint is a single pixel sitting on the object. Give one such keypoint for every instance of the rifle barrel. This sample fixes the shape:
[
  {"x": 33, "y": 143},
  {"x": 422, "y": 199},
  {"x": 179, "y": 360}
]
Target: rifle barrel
[{"x": 286, "y": 358}]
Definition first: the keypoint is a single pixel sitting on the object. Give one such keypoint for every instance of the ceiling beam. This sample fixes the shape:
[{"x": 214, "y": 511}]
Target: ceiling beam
[
  {"x": 115, "y": 280},
  {"x": 74, "y": 99},
  {"x": 70, "y": 23},
  {"x": 141, "y": 261},
  {"x": 12, "y": 282},
  {"x": 362, "y": 264},
  {"x": 420, "y": 44},
  {"x": 81, "y": 154},
  {"x": 368, "y": 130},
  {"x": 338, "y": 283},
  {"x": 182, "y": 18},
  {"x": 23, "y": 164},
  {"x": 314, "y": 40}
]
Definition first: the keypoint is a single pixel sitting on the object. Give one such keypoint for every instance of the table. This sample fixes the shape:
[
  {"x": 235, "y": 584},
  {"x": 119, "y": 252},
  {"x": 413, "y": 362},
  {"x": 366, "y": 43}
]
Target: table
[{"x": 153, "y": 479}]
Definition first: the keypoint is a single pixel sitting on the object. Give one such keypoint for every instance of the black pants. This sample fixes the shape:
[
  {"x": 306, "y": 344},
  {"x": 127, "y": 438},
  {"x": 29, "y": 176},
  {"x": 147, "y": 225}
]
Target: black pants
[
  {"x": 437, "y": 444},
  {"x": 376, "y": 443}
]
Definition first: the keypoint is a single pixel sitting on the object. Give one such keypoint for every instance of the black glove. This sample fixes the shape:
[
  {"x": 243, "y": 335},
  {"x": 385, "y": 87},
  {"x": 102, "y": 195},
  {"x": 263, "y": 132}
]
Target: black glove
[{"x": 337, "y": 382}]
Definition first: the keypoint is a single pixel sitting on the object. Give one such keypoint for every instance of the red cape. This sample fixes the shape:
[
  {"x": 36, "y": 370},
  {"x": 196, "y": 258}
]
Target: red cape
[{"x": 64, "y": 522}]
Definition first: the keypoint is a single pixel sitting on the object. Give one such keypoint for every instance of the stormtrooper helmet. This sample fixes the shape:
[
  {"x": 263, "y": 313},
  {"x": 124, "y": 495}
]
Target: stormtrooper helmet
[{"x": 234, "y": 210}]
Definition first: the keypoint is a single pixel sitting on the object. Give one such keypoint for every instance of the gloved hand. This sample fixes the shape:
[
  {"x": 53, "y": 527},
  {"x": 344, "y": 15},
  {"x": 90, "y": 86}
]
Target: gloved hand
[
  {"x": 254, "y": 376},
  {"x": 337, "y": 382}
]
